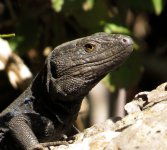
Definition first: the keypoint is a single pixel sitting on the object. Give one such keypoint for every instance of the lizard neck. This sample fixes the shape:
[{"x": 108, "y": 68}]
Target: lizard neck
[{"x": 51, "y": 104}]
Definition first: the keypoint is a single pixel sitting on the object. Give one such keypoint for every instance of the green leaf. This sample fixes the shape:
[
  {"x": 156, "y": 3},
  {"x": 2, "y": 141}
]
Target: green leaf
[
  {"x": 57, "y": 5},
  {"x": 155, "y": 6},
  {"x": 158, "y": 6},
  {"x": 14, "y": 43},
  {"x": 88, "y": 5},
  {"x": 111, "y": 27},
  {"x": 87, "y": 20}
]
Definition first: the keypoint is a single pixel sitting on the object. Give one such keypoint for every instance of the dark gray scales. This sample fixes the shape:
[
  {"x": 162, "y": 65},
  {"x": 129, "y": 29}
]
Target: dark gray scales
[{"x": 48, "y": 108}]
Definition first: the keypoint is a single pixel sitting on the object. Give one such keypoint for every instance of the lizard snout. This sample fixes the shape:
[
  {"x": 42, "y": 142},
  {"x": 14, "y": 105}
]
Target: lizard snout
[
  {"x": 128, "y": 43},
  {"x": 127, "y": 40}
]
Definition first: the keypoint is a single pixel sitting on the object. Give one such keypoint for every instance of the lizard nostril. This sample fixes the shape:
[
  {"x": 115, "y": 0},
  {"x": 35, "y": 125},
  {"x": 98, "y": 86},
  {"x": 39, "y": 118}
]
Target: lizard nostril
[
  {"x": 127, "y": 40},
  {"x": 124, "y": 40}
]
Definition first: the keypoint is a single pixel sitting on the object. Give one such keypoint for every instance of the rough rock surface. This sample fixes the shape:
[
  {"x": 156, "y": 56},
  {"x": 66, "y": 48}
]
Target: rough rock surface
[{"x": 144, "y": 128}]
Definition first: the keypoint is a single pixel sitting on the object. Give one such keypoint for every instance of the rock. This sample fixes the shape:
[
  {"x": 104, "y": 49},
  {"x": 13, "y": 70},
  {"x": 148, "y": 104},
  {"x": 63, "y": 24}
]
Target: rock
[{"x": 144, "y": 128}]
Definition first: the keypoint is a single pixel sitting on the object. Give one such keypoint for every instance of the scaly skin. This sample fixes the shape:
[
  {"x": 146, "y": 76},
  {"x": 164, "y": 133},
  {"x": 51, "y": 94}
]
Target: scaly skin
[{"x": 50, "y": 105}]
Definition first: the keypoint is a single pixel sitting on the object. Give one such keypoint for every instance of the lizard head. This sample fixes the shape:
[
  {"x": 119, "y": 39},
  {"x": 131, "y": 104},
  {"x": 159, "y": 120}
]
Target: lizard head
[{"x": 76, "y": 66}]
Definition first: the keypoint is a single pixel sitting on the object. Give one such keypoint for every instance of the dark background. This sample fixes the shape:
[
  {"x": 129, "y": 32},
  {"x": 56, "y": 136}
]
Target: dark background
[{"x": 39, "y": 24}]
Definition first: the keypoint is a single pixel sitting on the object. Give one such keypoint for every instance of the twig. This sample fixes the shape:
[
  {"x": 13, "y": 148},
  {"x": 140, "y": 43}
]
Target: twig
[{"x": 7, "y": 35}]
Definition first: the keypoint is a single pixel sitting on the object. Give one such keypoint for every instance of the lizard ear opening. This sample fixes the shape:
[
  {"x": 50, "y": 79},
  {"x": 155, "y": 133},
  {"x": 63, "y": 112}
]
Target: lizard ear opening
[{"x": 53, "y": 69}]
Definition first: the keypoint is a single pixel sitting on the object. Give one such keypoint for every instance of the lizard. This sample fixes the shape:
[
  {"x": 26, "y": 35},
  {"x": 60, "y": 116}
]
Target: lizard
[{"x": 48, "y": 108}]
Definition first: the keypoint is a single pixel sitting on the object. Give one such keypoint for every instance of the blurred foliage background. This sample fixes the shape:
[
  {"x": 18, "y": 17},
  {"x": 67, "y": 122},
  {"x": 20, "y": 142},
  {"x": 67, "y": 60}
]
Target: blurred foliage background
[{"x": 40, "y": 25}]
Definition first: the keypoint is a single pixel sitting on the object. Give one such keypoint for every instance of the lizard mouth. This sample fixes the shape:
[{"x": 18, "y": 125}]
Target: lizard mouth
[{"x": 129, "y": 48}]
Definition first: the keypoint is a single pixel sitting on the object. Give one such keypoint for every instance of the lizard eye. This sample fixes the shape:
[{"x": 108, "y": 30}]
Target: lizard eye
[{"x": 89, "y": 47}]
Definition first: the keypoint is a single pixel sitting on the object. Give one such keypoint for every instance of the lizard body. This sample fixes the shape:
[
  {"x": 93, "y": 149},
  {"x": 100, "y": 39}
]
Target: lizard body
[{"x": 50, "y": 105}]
